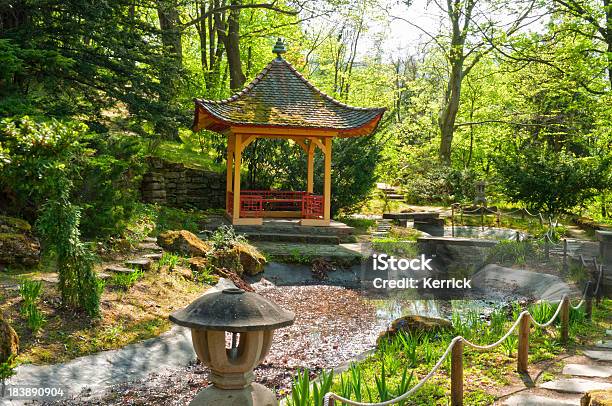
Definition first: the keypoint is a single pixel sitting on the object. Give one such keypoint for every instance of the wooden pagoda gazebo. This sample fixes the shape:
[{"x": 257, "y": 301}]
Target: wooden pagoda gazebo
[{"x": 281, "y": 103}]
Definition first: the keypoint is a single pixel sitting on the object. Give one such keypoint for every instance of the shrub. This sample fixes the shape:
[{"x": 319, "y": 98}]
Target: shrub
[{"x": 225, "y": 237}]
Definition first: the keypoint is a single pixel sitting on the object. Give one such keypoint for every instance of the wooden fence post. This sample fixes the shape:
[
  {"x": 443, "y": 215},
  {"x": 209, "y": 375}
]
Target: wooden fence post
[
  {"x": 565, "y": 310},
  {"x": 518, "y": 236},
  {"x": 588, "y": 309},
  {"x": 482, "y": 217},
  {"x": 600, "y": 283},
  {"x": 523, "y": 344},
  {"x": 331, "y": 402},
  {"x": 546, "y": 248},
  {"x": 452, "y": 220},
  {"x": 565, "y": 256},
  {"x": 457, "y": 374}
]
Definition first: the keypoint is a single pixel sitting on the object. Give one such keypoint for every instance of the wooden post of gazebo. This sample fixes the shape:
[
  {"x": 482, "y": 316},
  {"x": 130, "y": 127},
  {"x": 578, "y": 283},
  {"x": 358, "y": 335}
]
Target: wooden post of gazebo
[{"x": 281, "y": 103}]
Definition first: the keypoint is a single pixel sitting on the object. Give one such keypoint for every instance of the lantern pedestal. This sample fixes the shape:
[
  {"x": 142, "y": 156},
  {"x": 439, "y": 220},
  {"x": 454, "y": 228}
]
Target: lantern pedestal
[
  {"x": 253, "y": 395},
  {"x": 250, "y": 320}
]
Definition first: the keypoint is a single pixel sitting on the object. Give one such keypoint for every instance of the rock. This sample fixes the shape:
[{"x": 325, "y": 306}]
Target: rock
[
  {"x": 598, "y": 355},
  {"x": 241, "y": 258},
  {"x": 226, "y": 259},
  {"x": 415, "y": 324},
  {"x": 9, "y": 341},
  {"x": 198, "y": 264},
  {"x": 184, "y": 272},
  {"x": 251, "y": 259},
  {"x": 597, "y": 398},
  {"x": 183, "y": 242},
  {"x": 525, "y": 399},
  {"x": 17, "y": 245},
  {"x": 118, "y": 269},
  {"x": 592, "y": 371},
  {"x": 144, "y": 264},
  {"x": 576, "y": 385}
]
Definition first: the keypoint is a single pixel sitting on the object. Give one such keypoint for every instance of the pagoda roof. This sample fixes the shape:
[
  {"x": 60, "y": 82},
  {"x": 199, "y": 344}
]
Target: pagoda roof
[{"x": 280, "y": 97}]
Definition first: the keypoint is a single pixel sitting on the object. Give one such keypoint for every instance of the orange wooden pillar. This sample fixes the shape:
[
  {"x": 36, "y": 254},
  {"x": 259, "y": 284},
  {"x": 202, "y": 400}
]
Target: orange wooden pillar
[
  {"x": 310, "y": 179},
  {"x": 327, "y": 181},
  {"x": 229, "y": 187}
]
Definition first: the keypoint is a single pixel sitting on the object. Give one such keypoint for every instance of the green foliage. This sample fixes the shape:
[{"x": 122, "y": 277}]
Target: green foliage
[
  {"x": 7, "y": 370},
  {"x": 225, "y": 237},
  {"x": 549, "y": 181},
  {"x": 510, "y": 252},
  {"x": 102, "y": 171},
  {"x": 168, "y": 259},
  {"x": 125, "y": 281},
  {"x": 30, "y": 292}
]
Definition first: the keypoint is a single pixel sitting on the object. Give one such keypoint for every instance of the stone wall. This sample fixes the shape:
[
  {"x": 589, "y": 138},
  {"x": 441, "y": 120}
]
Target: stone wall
[{"x": 175, "y": 185}]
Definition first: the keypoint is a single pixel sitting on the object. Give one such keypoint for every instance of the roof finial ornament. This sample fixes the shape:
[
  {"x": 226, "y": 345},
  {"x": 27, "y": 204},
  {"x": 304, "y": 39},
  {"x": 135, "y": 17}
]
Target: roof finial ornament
[{"x": 279, "y": 48}]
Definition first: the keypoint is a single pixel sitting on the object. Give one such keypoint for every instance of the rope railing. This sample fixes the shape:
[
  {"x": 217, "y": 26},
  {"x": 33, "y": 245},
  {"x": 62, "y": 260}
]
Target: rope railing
[
  {"x": 455, "y": 347},
  {"x": 484, "y": 210}
]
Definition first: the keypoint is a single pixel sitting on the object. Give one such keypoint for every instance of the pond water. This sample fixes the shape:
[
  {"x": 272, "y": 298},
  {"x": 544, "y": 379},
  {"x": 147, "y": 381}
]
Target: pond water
[
  {"x": 490, "y": 233},
  {"x": 390, "y": 309}
]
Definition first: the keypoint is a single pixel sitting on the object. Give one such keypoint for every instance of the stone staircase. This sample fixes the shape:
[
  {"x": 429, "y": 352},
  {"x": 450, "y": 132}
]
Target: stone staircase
[
  {"x": 593, "y": 373},
  {"x": 382, "y": 228},
  {"x": 391, "y": 192},
  {"x": 287, "y": 231}
]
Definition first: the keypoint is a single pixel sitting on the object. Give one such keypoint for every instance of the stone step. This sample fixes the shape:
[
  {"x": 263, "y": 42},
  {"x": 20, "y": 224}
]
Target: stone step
[
  {"x": 153, "y": 257},
  {"x": 609, "y": 332},
  {"x": 599, "y": 355},
  {"x": 605, "y": 344},
  {"x": 394, "y": 196},
  {"x": 118, "y": 269},
  {"x": 144, "y": 264},
  {"x": 296, "y": 238},
  {"x": 525, "y": 399},
  {"x": 575, "y": 385},
  {"x": 149, "y": 246},
  {"x": 592, "y": 371}
]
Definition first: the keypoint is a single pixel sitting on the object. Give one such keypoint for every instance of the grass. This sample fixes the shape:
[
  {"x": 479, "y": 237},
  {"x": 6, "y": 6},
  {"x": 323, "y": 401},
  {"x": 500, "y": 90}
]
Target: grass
[
  {"x": 400, "y": 362},
  {"x": 128, "y": 316},
  {"x": 361, "y": 225},
  {"x": 194, "y": 152},
  {"x": 151, "y": 220}
]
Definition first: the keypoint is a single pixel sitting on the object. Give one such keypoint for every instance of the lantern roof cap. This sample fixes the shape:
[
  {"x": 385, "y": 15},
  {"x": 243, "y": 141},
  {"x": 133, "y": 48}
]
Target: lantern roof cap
[{"x": 234, "y": 310}]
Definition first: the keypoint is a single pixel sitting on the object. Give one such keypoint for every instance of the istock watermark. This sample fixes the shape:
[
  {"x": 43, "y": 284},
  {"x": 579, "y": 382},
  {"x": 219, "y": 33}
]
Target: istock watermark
[
  {"x": 384, "y": 262},
  {"x": 396, "y": 273}
]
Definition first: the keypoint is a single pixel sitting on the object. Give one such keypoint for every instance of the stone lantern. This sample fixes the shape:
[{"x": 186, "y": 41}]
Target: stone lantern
[{"x": 251, "y": 320}]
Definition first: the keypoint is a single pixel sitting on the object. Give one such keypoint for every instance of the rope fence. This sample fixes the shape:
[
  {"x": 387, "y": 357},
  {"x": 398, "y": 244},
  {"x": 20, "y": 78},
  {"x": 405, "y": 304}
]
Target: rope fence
[
  {"x": 456, "y": 347},
  {"x": 482, "y": 210}
]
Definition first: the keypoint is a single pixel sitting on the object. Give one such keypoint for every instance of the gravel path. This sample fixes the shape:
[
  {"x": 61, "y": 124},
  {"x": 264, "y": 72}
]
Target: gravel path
[{"x": 333, "y": 325}]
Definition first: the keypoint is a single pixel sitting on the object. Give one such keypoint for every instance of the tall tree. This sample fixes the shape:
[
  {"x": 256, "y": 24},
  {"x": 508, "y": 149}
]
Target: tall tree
[
  {"x": 597, "y": 15},
  {"x": 472, "y": 25}
]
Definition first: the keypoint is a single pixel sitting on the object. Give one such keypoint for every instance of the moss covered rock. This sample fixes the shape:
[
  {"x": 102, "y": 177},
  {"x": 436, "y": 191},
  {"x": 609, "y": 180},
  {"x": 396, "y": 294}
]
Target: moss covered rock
[
  {"x": 17, "y": 245},
  {"x": 242, "y": 258},
  {"x": 226, "y": 259},
  {"x": 251, "y": 259},
  {"x": 184, "y": 242},
  {"x": 415, "y": 324},
  {"x": 9, "y": 341},
  {"x": 597, "y": 398}
]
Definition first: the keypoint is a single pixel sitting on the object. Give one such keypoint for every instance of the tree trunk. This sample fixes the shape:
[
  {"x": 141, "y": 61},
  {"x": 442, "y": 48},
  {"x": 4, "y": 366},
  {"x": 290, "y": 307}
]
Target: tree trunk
[
  {"x": 231, "y": 41},
  {"x": 448, "y": 114}
]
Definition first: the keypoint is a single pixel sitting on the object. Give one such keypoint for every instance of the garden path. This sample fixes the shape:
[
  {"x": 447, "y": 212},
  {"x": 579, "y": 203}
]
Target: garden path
[{"x": 592, "y": 371}]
